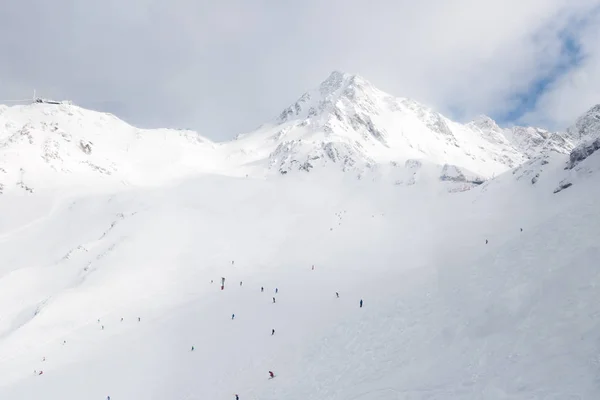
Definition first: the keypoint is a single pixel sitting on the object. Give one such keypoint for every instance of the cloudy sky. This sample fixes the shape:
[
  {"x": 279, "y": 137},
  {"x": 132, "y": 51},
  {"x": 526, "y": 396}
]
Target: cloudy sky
[{"x": 224, "y": 67}]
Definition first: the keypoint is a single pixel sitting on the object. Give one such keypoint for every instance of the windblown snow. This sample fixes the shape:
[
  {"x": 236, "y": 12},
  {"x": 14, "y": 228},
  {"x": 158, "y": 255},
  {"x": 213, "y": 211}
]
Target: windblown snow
[{"x": 473, "y": 248}]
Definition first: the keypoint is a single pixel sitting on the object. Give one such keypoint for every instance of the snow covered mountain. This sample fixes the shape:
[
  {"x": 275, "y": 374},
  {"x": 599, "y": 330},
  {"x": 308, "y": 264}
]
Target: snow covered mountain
[
  {"x": 347, "y": 121},
  {"x": 344, "y": 124},
  {"x": 489, "y": 293},
  {"x": 485, "y": 294},
  {"x": 554, "y": 171},
  {"x": 45, "y": 145}
]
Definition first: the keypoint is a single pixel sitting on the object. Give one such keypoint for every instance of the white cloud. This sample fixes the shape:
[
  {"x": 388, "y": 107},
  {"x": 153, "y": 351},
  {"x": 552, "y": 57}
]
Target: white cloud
[
  {"x": 468, "y": 55},
  {"x": 578, "y": 89},
  {"x": 225, "y": 67}
]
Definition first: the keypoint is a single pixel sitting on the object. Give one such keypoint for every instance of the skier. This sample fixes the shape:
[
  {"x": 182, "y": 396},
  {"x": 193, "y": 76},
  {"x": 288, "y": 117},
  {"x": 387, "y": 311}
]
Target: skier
[
  {"x": 240, "y": 283},
  {"x": 273, "y": 299},
  {"x": 232, "y": 316},
  {"x": 102, "y": 327},
  {"x": 360, "y": 303},
  {"x": 121, "y": 319},
  {"x": 521, "y": 229},
  {"x": 262, "y": 289},
  {"x": 139, "y": 319},
  {"x": 486, "y": 241},
  {"x": 192, "y": 348},
  {"x": 313, "y": 267},
  {"x": 271, "y": 374},
  {"x": 276, "y": 290},
  {"x": 211, "y": 281},
  {"x": 272, "y": 332},
  {"x": 237, "y": 397},
  {"x": 337, "y": 295}
]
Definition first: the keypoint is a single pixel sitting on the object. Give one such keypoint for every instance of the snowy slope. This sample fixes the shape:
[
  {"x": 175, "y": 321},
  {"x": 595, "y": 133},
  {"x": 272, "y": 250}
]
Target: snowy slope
[
  {"x": 445, "y": 316},
  {"x": 553, "y": 171},
  {"x": 45, "y": 145}
]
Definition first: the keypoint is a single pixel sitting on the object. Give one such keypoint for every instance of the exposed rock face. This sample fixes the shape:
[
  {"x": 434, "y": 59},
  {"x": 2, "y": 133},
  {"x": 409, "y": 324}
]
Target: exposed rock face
[
  {"x": 586, "y": 127},
  {"x": 583, "y": 151},
  {"x": 585, "y": 131},
  {"x": 455, "y": 174}
]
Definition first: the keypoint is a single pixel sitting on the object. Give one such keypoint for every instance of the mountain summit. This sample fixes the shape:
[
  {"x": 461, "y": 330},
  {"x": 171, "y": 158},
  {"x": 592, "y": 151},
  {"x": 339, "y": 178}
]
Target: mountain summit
[
  {"x": 348, "y": 121},
  {"x": 337, "y": 87}
]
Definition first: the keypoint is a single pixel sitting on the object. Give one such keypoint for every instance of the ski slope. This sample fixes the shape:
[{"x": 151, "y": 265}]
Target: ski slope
[
  {"x": 445, "y": 316},
  {"x": 114, "y": 240}
]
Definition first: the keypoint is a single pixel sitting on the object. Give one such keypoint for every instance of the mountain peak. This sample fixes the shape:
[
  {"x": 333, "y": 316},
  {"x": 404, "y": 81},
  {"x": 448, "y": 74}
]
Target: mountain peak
[
  {"x": 338, "y": 81},
  {"x": 484, "y": 122},
  {"x": 338, "y": 85}
]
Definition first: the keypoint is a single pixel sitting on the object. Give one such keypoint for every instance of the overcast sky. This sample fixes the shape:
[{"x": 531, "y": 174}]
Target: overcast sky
[{"x": 224, "y": 67}]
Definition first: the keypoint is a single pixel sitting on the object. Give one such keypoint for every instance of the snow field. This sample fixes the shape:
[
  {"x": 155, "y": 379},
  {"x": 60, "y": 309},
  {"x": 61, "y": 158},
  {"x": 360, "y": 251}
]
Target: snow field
[{"x": 445, "y": 316}]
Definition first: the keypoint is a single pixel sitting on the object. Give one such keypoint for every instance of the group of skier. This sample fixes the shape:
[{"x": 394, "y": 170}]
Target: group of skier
[
  {"x": 262, "y": 289},
  {"x": 64, "y": 342}
]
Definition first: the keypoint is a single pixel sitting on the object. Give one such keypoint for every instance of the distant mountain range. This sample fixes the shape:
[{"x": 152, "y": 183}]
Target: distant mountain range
[{"x": 344, "y": 124}]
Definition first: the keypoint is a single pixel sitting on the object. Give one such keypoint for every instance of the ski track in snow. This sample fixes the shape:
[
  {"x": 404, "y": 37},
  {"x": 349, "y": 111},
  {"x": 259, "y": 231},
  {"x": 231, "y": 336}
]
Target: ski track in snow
[{"x": 6, "y": 235}]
